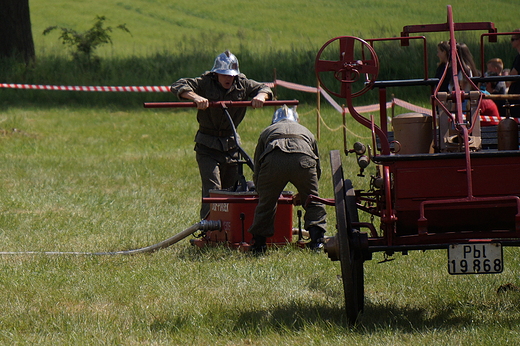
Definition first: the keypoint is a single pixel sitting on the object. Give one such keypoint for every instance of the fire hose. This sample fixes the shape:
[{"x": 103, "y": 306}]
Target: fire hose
[{"x": 203, "y": 225}]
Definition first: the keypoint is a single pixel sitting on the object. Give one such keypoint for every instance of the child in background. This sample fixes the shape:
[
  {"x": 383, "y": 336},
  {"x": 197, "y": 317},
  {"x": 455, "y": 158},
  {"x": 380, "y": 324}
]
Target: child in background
[{"x": 495, "y": 67}]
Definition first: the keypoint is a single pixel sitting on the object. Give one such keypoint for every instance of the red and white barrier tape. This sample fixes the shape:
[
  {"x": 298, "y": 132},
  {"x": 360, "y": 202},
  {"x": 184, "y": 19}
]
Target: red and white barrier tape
[
  {"x": 412, "y": 107},
  {"x": 94, "y": 88},
  {"x": 488, "y": 120},
  {"x": 87, "y": 88},
  {"x": 295, "y": 86},
  {"x": 331, "y": 100}
]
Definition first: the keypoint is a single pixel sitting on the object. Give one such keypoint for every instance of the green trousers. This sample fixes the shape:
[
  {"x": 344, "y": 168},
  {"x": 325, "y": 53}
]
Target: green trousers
[{"x": 276, "y": 170}]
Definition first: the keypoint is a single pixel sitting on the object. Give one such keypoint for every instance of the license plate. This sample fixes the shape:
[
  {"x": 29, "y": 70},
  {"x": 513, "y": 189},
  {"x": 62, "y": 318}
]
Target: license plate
[{"x": 478, "y": 258}]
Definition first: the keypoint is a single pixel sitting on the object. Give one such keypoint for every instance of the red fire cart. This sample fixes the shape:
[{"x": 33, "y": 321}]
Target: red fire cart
[{"x": 425, "y": 196}]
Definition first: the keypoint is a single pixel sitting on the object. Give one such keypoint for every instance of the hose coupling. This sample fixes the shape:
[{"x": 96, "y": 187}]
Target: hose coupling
[{"x": 210, "y": 225}]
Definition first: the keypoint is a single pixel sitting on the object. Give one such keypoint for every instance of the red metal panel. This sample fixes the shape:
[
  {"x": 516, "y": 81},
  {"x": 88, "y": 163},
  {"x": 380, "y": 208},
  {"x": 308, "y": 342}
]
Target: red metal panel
[
  {"x": 236, "y": 211},
  {"x": 409, "y": 29},
  {"x": 438, "y": 186}
]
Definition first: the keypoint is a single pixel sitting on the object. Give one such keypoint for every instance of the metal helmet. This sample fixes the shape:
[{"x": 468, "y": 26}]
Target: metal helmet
[
  {"x": 285, "y": 112},
  {"x": 227, "y": 64}
]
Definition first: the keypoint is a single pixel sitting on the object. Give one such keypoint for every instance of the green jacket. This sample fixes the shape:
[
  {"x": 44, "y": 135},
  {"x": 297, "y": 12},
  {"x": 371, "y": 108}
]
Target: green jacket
[
  {"x": 289, "y": 137},
  {"x": 214, "y": 128}
]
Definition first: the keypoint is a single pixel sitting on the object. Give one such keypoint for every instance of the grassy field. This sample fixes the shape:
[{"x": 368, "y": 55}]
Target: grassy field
[
  {"x": 77, "y": 179},
  {"x": 95, "y": 172},
  {"x": 175, "y": 26}
]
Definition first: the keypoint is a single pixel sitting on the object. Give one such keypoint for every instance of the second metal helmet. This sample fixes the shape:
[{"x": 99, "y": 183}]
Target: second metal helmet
[
  {"x": 285, "y": 112},
  {"x": 227, "y": 64}
]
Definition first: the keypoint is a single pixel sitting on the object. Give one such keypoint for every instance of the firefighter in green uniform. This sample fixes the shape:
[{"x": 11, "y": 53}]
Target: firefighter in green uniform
[
  {"x": 286, "y": 152},
  {"x": 215, "y": 145}
]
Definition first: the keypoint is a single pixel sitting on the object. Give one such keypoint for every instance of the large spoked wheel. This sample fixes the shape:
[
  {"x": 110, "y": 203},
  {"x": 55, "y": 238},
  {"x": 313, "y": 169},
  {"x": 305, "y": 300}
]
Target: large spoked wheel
[
  {"x": 350, "y": 255},
  {"x": 350, "y": 72}
]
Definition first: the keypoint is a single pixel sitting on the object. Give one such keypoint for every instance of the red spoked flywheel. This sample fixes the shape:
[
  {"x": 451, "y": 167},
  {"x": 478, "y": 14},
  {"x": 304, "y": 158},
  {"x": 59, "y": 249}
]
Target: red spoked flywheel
[{"x": 352, "y": 72}]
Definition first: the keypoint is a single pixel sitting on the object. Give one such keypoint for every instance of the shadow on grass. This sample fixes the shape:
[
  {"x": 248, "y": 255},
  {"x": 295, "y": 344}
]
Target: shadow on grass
[
  {"x": 297, "y": 317},
  {"x": 284, "y": 319},
  {"x": 404, "y": 319},
  {"x": 409, "y": 319}
]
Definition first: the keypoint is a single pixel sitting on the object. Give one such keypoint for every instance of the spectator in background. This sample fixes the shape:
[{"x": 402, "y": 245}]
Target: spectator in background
[
  {"x": 443, "y": 53},
  {"x": 514, "y": 87},
  {"x": 215, "y": 146},
  {"x": 495, "y": 67},
  {"x": 488, "y": 108},
  {"x": 468, "y": 65}
]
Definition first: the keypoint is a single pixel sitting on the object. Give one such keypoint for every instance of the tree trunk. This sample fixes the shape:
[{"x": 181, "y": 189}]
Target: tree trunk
[{"x": 15, "y": 30}]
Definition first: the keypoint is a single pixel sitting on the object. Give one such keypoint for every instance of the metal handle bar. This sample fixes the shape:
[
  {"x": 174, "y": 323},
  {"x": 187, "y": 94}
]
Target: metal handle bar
[
  {"x": 466, "y": 95},
  {"x": 244, "y": 199},
  {"x": 224, "y": 105},
  {"x": 217, "y": 104}
]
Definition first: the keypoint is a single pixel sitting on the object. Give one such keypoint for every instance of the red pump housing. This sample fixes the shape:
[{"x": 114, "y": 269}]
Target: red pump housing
[{"x": 236, "y": 211}]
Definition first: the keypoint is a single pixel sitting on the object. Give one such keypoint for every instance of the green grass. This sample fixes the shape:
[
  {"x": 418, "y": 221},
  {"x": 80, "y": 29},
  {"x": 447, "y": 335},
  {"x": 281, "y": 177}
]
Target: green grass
[
  {"x": 77, "y": 179},
  {"x": 92, "y": 172},
  {"x": 221, "y": 297},
  {"x": 175, "y": 26}
]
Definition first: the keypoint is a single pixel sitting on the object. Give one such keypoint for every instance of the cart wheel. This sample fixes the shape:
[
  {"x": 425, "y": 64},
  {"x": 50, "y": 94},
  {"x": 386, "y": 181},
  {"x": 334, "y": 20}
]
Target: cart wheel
[
  {"x": 356, "y": 238},
  {"x": 357, "y": 58},
  {"x": 351, "y": 259}
]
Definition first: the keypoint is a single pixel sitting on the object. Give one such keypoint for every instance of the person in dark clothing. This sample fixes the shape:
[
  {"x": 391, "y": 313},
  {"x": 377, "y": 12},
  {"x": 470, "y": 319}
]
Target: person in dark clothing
[
  {"x": 286, "y": 153},
  {"x": 443, "y": 53},
  {"x": 216, "y": 147},
  {"x": 514, "y": 88},
  {"x": 496, "y": 88}
]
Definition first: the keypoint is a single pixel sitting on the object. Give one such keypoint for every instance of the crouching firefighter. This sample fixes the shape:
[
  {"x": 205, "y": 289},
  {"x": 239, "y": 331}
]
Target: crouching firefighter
[{"x": 286, "y": 153}]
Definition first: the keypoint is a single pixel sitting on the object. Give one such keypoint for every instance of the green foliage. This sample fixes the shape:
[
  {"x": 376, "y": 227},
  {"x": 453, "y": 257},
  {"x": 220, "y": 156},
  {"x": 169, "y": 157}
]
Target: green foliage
[
  {"x": 164, "y": 67},
  {"x": 85, "y": 43},
  {"x": 174, "y": 40}
]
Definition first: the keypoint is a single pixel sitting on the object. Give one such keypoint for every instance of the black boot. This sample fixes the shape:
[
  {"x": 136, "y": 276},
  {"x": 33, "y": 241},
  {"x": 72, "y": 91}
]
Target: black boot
[
  {"x": 316, "y": 234},
  {"x": 259, "y": 245}
]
